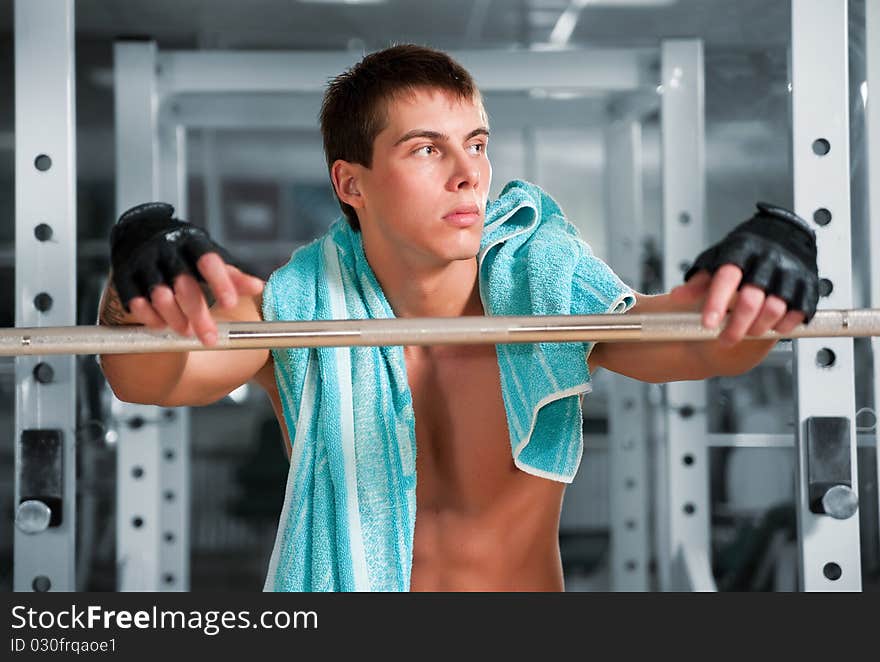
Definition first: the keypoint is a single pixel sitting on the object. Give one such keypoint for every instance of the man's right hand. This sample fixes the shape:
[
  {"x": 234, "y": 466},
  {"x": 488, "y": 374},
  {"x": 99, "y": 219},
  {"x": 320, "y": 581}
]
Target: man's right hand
[{"x": 157, "y": 262}]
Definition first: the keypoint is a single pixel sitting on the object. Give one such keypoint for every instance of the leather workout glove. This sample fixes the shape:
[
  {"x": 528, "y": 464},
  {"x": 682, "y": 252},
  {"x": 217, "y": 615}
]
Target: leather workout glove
[
  {"x": 148, "y": 247},
  {"x": 776, "y": 251}
]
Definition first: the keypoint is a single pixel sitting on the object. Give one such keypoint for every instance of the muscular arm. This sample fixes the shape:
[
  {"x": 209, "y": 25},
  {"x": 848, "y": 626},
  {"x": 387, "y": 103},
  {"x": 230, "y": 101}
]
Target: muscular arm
[
  {"x": 671, "y": 361},
  {"x": 180, "y": 378},
  {"x": 764, "y": 274}
]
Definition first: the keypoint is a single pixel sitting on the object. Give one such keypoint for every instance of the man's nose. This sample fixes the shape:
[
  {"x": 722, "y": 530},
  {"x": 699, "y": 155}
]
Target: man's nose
[{"x": 466, "y": 173}]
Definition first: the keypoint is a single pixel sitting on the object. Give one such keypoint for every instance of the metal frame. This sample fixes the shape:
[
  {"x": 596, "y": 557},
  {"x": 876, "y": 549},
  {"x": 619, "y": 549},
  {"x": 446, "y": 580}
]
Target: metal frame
[
  {"x": 683, "y": 480},
  {"x": 186, "y": 84},
  {"x": 820, "y": 110},
  {"x": 174, "y": 431},
  {"x": 153, "y": 444},
  {"x": 605, "y": 69},
  {"x": 627, "y": 430},
  {"x": 291, "y": 110},
  {"x": 872, "y": 122},
  {"x": 45, "y": 125},
  {"x": 166, "y": 93},
  {"x": 819, "y": 83}
]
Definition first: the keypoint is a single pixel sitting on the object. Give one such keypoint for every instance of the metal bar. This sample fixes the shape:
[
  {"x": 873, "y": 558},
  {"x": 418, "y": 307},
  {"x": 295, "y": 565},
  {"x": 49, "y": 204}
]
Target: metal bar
[
  {"x": 289, "y": 110},
  {"x": 771, "y": 440},
  {"x": 139, "y": 457},
  {"x": 872, "y": 123},
  {"x": 213, "y": 186},
  {"x": 649, "y": 327},
  {"x": 173, "y": 428},
  {"x": 829, "y": 547},
  {"x": 604, "y": 69},
  {"x": 628, "y": 448},
  {"x": 45, "y": 266},
  {"x": 683, "y": 480}
]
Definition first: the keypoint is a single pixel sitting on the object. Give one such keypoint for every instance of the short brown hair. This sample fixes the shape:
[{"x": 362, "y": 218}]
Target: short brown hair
[{"x": 352, "y": 113}]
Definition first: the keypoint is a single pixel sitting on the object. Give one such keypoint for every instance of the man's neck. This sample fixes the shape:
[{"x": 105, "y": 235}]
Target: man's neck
[{"x": 448, "y": 290}]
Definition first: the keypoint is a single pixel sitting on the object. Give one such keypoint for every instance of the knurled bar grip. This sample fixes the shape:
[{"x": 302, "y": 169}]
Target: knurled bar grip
[{"x": 413, "y": 331}]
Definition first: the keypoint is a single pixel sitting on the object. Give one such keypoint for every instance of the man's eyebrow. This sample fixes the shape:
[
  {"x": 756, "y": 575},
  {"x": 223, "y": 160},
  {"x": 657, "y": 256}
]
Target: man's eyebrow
[
  {"x": 436, "y": 135},
  {"x": 481, "y": 131}
]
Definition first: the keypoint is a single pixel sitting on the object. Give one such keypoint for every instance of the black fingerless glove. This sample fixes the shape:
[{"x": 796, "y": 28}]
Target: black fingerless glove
[
  {"x": 776, "y": 251},
  {"x": 148, "y": 246}
]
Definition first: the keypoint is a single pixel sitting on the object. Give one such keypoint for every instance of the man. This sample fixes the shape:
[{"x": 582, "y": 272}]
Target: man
[{"x": 405, "y": 136}]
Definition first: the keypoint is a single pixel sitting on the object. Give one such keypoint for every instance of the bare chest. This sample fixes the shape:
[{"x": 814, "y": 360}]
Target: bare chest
[{"x": 463, "y": 457}]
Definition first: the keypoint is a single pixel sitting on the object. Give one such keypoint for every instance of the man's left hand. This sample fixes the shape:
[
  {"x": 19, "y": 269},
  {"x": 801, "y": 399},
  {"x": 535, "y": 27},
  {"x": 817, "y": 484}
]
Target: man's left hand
[
  {"x": 764, "y": 272},
  {"x": 753, "y": 312}
]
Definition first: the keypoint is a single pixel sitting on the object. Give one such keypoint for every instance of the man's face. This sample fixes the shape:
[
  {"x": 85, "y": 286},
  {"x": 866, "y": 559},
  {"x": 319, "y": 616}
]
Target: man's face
[{"x": 425, "y": 195}]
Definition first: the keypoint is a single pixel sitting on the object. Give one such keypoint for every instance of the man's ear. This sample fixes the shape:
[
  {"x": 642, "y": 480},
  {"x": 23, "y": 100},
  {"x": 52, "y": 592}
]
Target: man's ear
[{"x": 345, "y": 177}]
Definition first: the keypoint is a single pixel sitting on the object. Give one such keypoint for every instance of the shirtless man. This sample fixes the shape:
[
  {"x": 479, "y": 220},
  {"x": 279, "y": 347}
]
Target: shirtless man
[{"x": 482, "y": 523}]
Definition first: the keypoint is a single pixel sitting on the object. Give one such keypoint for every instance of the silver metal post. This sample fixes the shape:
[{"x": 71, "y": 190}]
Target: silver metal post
[
  {"x": 45, "y": 275},
  {"x": 628, "y": 444},
  {"x": 829, "y": 547},
  {"x": 173, "y": 426},
  {"x": 872, "y": 121},
  {"x": 684, "y": 466},
  {"x": 139, "y": 454}
]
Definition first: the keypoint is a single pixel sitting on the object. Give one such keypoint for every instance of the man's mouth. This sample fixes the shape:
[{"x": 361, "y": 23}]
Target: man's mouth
[{"x": 463, "y": 216}]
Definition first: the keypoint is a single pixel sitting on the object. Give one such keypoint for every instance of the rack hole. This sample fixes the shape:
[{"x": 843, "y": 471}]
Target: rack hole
[
  {"x": 43, "y": 302},
  {"x": 822, "y": 216},
  {"x": 832, "y": 571},
  {"x": 43, "y": 232},
  {"x": 825, "y": 358},
  {"x": 821, "y": 147},
  {"x": 41, "y": 584},
  {"x": 42, "y": 162}
]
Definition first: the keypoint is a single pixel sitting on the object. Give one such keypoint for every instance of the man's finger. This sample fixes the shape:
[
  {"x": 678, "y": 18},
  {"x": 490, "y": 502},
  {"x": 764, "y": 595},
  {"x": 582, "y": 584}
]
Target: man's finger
[
  {"x": 144, "y": 313},
  {"x": 244, "y": 283},
  {"x": 721, "y": 290},
  {"x": 771, "y": 314},
  {"x": 213, "y": 270},
  {"x": 748, "y": 305},
  {"x": 192, "y": 303},
  {"x": 790, "y": 321},
  {"x": 693, "y": 289},
  {"x": 165, "y": 304}
]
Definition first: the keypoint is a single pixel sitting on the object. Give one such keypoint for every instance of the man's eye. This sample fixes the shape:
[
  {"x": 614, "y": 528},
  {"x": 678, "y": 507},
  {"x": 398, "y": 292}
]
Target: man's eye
[
  {"x": 427, "y": 150},
  {"x": 478, "y": 148}
]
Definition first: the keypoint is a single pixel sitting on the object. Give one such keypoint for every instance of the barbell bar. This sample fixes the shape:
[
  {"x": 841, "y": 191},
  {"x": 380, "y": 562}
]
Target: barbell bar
[{"x": 494, "y": 330}]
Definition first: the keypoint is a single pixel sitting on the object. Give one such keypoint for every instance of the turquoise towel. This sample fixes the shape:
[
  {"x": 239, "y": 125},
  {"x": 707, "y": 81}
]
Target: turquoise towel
[{"x": 349, "y": 512}]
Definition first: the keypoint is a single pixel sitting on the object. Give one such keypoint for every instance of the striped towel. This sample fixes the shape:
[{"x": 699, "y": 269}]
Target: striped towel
[{"x": 349, "y": 512}]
